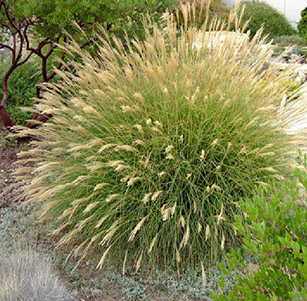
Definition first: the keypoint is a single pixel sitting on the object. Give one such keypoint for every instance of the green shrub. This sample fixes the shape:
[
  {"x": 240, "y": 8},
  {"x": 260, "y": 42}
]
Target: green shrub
[
  {"x": 22, "y": 90},
  {"x": 298, "y": 44},
  {"x": 150, "y": 150},
  {"x": 302, "y": 25},
  {"x": 289, "y": 41},
  {"x": 275, "y": 232},
  {"x": 260, "y": 13}
]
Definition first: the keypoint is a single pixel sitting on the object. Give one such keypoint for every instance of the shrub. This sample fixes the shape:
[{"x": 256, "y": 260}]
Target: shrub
[
  {"x": 288, "y": 41},
  {"x": 24, "y": 275},
  {"x": 21, "y": 90},
  {"x": 302, "y": 25},
  {"x": 275, "y": 232},
  {"x": 260, "y": 13},
  {"x": 151, "y": 148},
  {"x": 298, "y": 45}
]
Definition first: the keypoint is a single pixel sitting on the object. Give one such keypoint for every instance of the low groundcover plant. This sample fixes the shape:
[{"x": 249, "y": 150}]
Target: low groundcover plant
[
  {"x": 274, "y": 231},
  {"x": 153, "y": 143}
]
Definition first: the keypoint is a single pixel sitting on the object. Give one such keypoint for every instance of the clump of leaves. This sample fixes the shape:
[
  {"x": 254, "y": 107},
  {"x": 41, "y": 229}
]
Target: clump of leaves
[
  {"x": 274, "y": 230},
  {"x": 152, "y": 145}
]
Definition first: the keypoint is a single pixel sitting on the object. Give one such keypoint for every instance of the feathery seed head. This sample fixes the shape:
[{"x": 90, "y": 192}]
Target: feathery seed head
[
  {"x": 137, "y": 228},
  {"x": 169, "y": 148},
  {"x": 161, "y": 174},
  {"x": 156, "y": 195},
  {"x": 146, "y": 197},
  {"x": 112, "y": 197},
  {"x": 170, "y": 157},
  {"x": 140, "y": 129}
]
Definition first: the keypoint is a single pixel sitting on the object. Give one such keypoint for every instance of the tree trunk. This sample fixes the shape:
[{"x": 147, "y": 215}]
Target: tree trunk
[{"x": 7, "y": 121}]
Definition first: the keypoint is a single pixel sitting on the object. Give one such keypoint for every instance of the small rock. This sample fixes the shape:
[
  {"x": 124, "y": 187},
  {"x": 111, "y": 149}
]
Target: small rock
[
  {"x": 301, "y": 77},
  {"x": 96, "y": 292},
  {"x": 294, "y": 58},
  {"x": 302, "y": 68}
]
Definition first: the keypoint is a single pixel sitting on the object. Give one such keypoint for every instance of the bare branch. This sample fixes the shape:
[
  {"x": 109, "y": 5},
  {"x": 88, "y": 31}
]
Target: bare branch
[
  {"x": 24, "y": 60},
  {"x": 6, "y": 10},
  {"x": 6, "y": 46},
  {"x": 3, "y": 24}
]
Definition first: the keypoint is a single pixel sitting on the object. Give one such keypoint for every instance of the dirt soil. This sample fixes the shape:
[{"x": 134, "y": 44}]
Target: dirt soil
[{"x": 8, "y": 156}]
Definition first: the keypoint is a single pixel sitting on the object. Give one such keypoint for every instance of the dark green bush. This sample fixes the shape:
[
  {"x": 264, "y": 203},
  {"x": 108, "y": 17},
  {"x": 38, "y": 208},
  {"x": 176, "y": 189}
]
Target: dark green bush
[
  {"x": 260, "y": 13},
  {"x": 302, "y": 25},
  {"x": 274, "y": 231},
  {"x": 21, "y": 90}
]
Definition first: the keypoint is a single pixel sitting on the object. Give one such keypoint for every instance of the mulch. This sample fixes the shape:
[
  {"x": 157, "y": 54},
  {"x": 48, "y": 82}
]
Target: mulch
[{"x": 8, "y": 157}]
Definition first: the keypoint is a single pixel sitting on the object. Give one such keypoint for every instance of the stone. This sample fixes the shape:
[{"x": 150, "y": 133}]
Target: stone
[
  {"x": 96, "y": 292},
  {"x": 301, "y": 77}
]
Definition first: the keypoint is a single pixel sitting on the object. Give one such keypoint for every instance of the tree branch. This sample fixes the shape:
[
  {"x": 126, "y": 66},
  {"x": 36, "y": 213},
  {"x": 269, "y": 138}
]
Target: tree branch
[
  {"x": 6, "y": 10},
  {"x": 6, "y": 46},
  {"x": 3, "y": 24},
  {"x": 25, "y": 60}
]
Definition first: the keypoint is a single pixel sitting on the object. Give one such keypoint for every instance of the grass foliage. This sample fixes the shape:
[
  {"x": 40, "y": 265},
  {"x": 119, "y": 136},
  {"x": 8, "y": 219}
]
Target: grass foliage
[
  {"x": 216, "y": 9},
  {"x": 24, "y": 275},
  {"x": 153, "y": 144}
]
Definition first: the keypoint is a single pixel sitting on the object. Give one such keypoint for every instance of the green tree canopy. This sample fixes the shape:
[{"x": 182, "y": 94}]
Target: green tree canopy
[{"x": 37, "y": 27}]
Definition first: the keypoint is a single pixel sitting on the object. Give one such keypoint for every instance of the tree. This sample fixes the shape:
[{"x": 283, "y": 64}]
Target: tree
[{"x": 38, "y": 27}]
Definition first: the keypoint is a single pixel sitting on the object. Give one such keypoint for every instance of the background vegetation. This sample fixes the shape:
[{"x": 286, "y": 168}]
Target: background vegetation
[
  {"x": 22, "y": 91},
  {"x": 39, "y": 27},
  {"x": 302, "y": 25},
  {"x": 260, "y": 13}
]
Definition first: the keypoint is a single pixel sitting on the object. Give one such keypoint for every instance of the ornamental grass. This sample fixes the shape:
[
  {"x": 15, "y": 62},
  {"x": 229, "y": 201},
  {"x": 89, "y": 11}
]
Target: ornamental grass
[{"x": 153, "y": 143}]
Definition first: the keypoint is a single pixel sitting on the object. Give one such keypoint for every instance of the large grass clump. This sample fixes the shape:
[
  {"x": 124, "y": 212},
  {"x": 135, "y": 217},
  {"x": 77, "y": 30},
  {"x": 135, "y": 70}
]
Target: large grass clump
[{"x": 152, "y": 144}]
